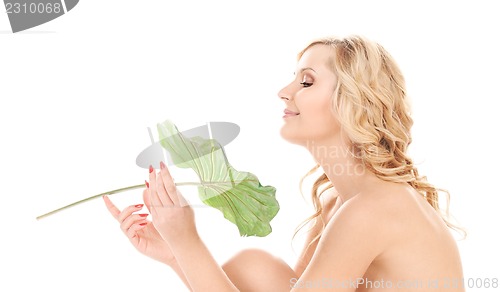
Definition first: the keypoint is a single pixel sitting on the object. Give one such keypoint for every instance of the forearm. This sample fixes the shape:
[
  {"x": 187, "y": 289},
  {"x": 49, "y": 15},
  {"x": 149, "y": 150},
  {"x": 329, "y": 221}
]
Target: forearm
[
  {"x": 200, "y": 269},
  {"x": 177, "y": 269}
]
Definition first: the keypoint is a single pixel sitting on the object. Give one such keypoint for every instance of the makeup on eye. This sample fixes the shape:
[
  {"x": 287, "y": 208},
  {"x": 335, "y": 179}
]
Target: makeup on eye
[{"x": 306, "y": 81}]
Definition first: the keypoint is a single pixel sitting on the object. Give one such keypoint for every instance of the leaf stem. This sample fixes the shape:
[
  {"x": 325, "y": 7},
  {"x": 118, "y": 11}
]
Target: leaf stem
[{"x": 120, "y": 190}]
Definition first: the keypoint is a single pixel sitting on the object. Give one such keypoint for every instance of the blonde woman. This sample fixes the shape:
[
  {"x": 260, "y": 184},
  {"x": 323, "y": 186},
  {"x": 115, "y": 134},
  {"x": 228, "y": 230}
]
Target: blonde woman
[{"x": 377, "y": 226}]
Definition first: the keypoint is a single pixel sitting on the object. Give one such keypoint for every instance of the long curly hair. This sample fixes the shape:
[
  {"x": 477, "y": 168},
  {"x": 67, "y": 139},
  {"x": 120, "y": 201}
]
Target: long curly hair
[{"x": 371, "y": 102}]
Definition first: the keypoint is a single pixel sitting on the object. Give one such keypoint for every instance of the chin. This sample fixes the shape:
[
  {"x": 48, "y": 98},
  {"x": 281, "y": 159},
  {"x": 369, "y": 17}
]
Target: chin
[{"x": 292, "y": 136}]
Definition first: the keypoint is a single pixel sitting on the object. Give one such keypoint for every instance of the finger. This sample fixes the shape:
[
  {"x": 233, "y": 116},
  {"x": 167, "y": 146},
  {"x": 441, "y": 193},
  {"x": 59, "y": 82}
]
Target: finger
[
  {"x": 168, "y": 183},
  {"x": 132, "y": 231},
  {"x": 128, "y": 211},
  {"x": 132, "y": 220},
  {"x": 153, "y": 196},
  {"x": 162, "y": 193},
  {"x": 111, "y": 207},
  {"x": 146, "y": 198},
  {"x": 152, "y": 187}
]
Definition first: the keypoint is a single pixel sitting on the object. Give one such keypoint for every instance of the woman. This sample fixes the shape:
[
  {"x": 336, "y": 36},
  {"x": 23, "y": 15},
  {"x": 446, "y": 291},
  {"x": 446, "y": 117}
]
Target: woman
[{"x": 377, "y": 224}]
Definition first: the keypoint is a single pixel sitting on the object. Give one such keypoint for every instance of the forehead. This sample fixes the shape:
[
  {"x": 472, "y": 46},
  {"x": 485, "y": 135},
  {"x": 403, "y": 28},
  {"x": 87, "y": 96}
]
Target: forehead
[{"x": 316, "y": 57}]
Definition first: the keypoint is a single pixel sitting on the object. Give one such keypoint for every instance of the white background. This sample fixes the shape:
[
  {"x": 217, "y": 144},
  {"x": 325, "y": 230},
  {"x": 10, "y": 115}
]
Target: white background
[{"x": 78, "y": 93}]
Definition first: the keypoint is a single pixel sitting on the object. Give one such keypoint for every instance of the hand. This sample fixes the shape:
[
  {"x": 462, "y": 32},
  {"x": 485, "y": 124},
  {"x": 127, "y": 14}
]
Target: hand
[
  {"x": 141, "y": 232},
  {"x": 171, "y": 215}
]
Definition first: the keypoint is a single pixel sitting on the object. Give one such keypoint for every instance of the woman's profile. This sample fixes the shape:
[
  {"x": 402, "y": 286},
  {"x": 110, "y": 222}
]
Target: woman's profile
[{"x": 377, "y": 226}]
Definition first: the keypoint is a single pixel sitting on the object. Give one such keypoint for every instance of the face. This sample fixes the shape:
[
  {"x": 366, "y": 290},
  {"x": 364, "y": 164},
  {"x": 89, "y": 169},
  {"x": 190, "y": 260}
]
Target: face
[{"x": 308, "y": 115}]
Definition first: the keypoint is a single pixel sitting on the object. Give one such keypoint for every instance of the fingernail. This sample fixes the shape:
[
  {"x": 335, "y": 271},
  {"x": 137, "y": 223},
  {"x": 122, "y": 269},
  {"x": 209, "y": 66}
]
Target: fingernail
[
  {"x": 142, "y": 224},
  {"x": 147, "y": 184},
  {"x": 162, "y": 165},
  {"x": 151, "y": 169},
  {"x": 144, "y": 215},
  {"x": 139, "y": 205}
]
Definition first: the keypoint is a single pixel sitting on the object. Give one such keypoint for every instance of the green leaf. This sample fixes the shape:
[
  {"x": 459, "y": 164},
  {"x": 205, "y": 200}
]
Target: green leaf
[{"x": 238, "y": 195}]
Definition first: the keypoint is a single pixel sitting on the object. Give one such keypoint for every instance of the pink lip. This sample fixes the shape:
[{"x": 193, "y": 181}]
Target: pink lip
[{"x": 289, "y": 113}]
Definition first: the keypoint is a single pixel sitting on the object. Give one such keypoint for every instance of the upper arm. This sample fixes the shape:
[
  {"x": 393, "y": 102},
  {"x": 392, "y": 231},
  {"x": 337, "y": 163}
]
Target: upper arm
[
  {"x": 315, "y": 227},
  {"x": 351, "y": 241}
]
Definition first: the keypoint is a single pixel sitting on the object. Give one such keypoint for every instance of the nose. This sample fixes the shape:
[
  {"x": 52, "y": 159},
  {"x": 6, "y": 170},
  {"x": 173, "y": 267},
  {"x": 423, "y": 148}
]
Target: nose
[{"x": 285, "y": 94}]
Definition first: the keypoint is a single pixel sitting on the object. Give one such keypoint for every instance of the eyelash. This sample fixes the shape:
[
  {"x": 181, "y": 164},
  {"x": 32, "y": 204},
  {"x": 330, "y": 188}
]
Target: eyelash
[{"x": 306, "y": 84}]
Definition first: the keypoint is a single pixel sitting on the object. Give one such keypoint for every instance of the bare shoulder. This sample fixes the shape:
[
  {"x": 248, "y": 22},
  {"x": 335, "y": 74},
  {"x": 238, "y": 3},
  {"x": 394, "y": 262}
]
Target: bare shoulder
[
  {"x": 390, "y": 233},
  {"x": 408, "y": 238},
  {"x": 378, "y": 212},
  {"x": 395, "y": 214},
  {"x": 343, "y": 249},
  {"x": 396, "y": 203}
]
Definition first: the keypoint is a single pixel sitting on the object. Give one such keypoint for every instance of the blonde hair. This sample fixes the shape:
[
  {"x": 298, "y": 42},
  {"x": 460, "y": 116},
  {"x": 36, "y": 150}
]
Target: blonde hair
[{"x": 372, "y": 106}]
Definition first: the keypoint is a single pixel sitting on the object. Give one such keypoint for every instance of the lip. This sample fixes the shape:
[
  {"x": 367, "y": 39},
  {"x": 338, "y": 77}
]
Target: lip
[{"x": 289, "y": 113}]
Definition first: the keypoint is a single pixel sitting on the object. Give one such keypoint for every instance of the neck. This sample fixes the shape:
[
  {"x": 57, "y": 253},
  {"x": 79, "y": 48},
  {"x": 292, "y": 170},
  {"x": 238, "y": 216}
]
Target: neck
[{"x": 348, "y": 175}]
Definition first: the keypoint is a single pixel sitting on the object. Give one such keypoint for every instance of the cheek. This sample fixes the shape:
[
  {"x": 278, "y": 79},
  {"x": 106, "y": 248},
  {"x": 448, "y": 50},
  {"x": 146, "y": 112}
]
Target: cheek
[
  {"x": 323, "y": 119},
  {"x": 319, "y": 110},
  {"x": 316, "y": 121},
  {"x": 326, "y": 119}
]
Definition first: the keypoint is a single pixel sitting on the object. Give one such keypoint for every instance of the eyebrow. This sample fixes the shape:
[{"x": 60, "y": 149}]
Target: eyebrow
[{"x": 306, "y": 68}]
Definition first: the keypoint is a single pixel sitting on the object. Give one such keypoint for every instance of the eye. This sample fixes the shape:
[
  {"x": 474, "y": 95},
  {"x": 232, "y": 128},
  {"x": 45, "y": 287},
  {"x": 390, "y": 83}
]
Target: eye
[{"x": 306, "y": 81}]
